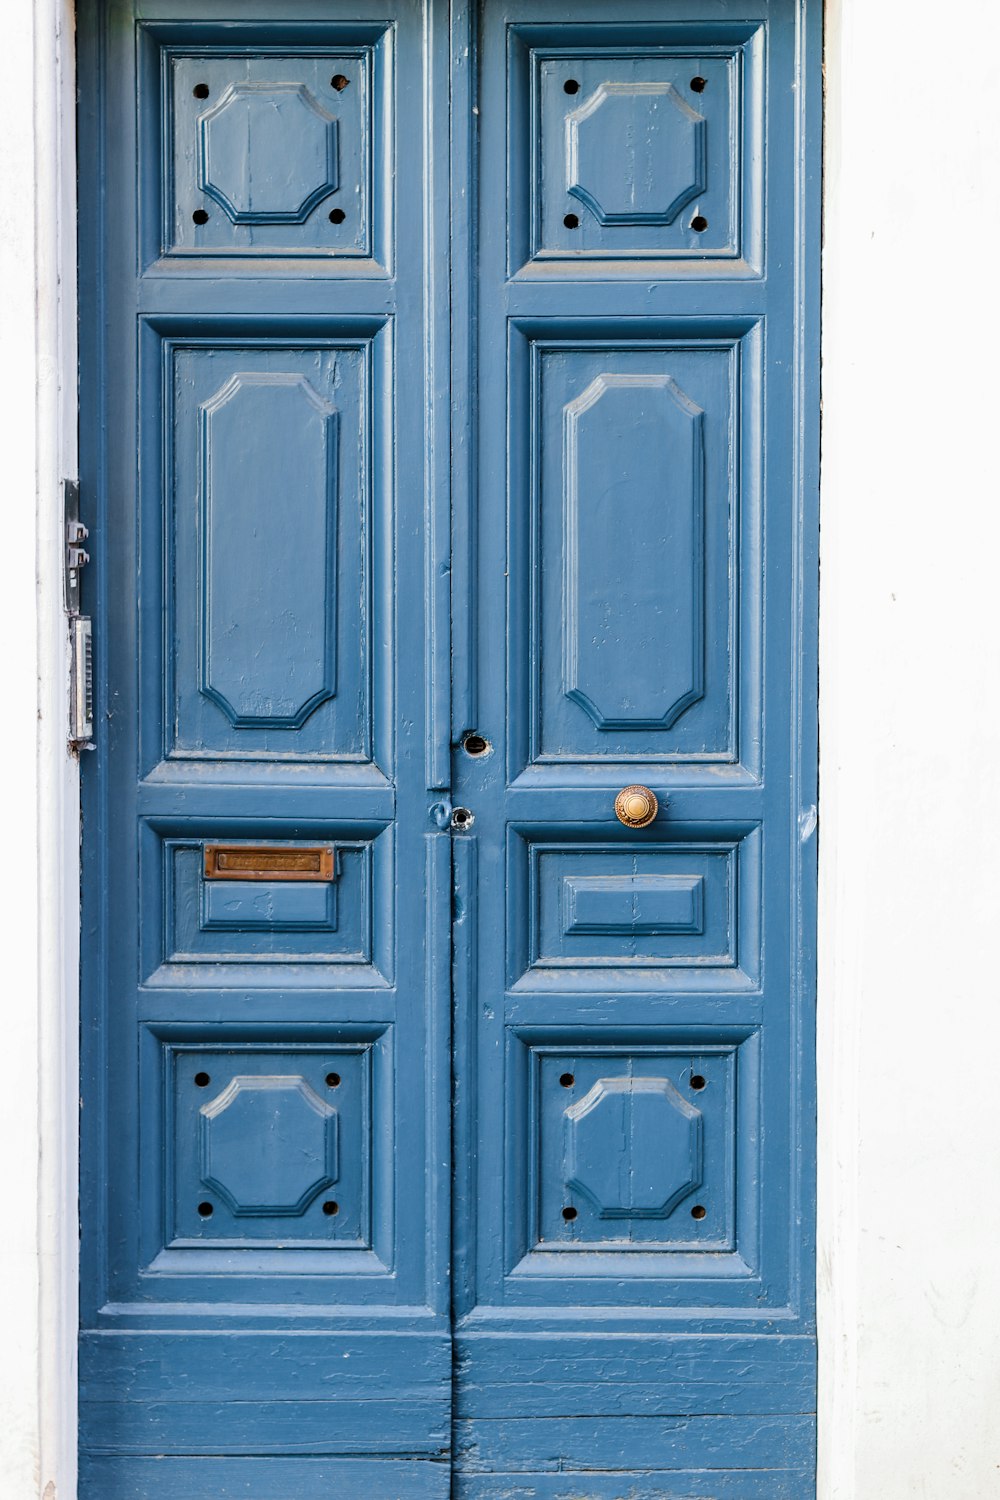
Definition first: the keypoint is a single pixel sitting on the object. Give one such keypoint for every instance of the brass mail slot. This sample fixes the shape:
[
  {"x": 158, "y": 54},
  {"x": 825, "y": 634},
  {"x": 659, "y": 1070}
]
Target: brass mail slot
[{"x": 268, "y": 862}]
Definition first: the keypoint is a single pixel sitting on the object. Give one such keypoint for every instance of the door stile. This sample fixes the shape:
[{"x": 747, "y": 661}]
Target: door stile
[
  {"x": 463, "y": 157},
  {"x": 464, "y": 208},
  {"x": 438, "y": 378}
]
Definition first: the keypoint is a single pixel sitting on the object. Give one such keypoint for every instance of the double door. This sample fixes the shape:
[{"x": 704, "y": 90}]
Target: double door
[{"x": 448, "y": 450}]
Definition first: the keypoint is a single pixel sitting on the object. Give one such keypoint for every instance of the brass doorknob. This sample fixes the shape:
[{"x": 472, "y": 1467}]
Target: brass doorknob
[{"x": 636, "y": 806}]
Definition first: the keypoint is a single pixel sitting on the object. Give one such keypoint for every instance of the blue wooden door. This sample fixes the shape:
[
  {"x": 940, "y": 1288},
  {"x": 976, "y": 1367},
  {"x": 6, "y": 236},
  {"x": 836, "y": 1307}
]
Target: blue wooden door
[{"x": 448, "y": 445}]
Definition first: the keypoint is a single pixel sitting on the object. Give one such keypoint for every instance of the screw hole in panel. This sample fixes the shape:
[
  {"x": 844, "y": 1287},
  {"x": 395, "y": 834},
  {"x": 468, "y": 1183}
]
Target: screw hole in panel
[
  {"x": 200, "y": 216},
  {"x": 699, "y": 223},
  {"x": 567, "y": 1080},
  {"x": 571, "y": 86},
  {"x": 699, "y": 1211},
  {"x": 339, "y": 82},
  {"x": 330, "y": 1208},
  {"x": 572, "y": 221},
  {"x": 697, "y": 1081},
  {"x": 698, "y": 84},
  {"x": 337, "y": 216},
  {"x": 203, "y": 1080},
  {"x": 200, "y": 91},
  {"x": 333, "y": 1080},
  {"x": 206, "y": 1210},
  {"x": 569, "y": 1214}
]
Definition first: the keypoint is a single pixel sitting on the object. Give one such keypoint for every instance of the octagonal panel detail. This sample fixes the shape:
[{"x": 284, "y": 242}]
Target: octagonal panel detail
[
  {"x": 635, "y": 153},
  {"x": 634, "y": 1147},
  {"x": 268, "y": 1145},
  {"x": 268, "y": 606},
  {"x": 268, "y": 153},
  {"x": 634, "y": 552}
]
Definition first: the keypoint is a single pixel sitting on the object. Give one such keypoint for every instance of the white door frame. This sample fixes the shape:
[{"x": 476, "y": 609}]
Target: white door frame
[{"x": 909, "y": 1012}]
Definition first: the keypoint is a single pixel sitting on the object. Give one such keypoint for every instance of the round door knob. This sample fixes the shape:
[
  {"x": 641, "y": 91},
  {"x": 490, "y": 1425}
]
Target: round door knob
[{"x": 636, "y": 806}]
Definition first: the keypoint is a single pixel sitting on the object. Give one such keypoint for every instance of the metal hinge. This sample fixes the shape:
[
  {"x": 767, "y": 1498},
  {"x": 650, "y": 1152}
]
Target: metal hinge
[{"x": 81, "y": 639}]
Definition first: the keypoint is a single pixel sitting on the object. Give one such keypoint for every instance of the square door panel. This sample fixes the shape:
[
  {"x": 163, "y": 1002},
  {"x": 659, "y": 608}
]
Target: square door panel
[
  {"x": 272, "y": 151},
  {"x": 628, "y": 914},
  {"x": 261, "y": 931},
  {"x": 264, "y": 1151},
  {"x": 640, "y": 149},
  {"x": 635, "y": 1149},
  {"x": 271, "y": 1145},
  {"x": 635, "y": 541},
  {"x": 272, "y": 530},
  {"x": 632, "y": 1155}
]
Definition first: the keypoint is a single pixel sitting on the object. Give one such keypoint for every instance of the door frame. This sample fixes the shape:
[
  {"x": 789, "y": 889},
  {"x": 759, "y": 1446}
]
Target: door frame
[{"x": 38, "y": 1157}]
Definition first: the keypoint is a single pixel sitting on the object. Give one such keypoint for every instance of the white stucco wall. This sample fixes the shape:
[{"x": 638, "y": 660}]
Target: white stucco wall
[
  {"x": 910, "y": 720},
  {"x": 38, "y": 851},
  {"x": 910, "y": 681}
]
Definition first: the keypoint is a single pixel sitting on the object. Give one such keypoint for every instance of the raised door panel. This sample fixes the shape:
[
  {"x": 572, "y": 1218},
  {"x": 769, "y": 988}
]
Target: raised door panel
[
  {"x": 678, "y": 912},
  {"x": 632, "y": 1167},
  {"x": 271, "y": 526},
  {"x": 635, "y": 524},
  {"x": 272, "y": 154},
  {"x": 253, "y": 934},
  {"x": 635, "y": 149}
]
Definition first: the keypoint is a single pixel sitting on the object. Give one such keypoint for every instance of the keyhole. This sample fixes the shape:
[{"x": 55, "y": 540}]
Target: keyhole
[{"x": 476, "y": 744}]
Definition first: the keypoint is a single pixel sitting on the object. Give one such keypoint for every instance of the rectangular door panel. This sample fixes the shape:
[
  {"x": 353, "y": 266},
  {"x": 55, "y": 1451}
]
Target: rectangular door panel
[
  {"x": 275, "y": 535},
  {"x": 336, "y": 931},
  {"x": 635, "y": 522},
  {"x": 589, "y": 915}
]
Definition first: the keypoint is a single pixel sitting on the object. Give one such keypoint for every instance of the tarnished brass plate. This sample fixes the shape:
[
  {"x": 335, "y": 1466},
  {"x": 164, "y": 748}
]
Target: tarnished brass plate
[{"x": 268, "y": 862}]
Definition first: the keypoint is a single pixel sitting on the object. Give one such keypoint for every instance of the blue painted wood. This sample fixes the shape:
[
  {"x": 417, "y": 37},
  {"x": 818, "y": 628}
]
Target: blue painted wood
[
  {"x": 264, "y": 1478},
  {"x": 599, "y": 1373},
  {"x": 449, "y": 370},
  {"x": 633, "y": 1223},
  {"x": 266, "y": 1076},
  {"x": 621, "y": 1443},
  {"x": 646, "y": 1484}
]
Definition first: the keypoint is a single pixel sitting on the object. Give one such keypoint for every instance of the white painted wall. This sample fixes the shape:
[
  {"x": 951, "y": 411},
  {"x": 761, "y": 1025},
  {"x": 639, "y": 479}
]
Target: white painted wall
[
  {"x": 910, "y": 720},
  {"x": 38, "y": 850},
  {"x": 909, "y": 994}
]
